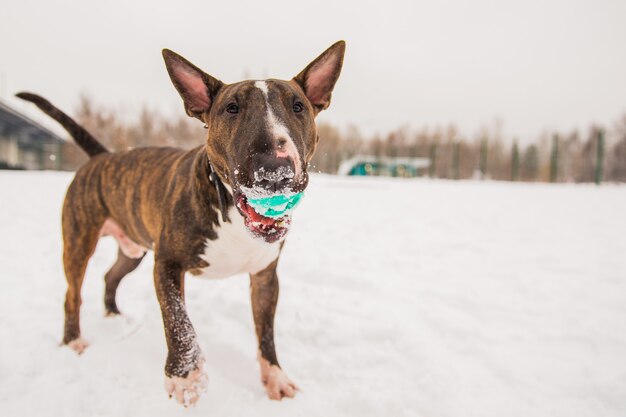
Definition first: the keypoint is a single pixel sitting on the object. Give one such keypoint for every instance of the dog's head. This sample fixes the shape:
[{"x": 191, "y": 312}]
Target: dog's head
[{"x": 261, "y": 134}]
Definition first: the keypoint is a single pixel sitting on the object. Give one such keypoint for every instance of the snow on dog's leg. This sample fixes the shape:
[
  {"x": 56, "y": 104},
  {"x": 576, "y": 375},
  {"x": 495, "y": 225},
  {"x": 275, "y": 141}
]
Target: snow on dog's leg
[
  {"x": 187, "y": 390},
  {"x": 184, "y": 377}
]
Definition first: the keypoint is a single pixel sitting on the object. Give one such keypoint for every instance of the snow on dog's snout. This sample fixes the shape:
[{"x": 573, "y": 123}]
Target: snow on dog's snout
[{"x": 276, "y": 175}]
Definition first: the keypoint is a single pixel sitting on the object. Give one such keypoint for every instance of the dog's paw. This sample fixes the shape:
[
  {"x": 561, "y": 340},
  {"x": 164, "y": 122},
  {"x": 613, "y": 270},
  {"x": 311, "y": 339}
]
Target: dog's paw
[
  {"x": 187, "y": 390},
  {"x": 276, "y": 383},
  {"x": 78, "y": 345}
]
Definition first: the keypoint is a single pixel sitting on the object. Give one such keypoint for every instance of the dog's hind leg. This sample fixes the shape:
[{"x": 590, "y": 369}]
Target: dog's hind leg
[
  {"x": 81, "y": 225},
  {"x": 123, "y": 266},
  {"x": 76, "y": 253}
]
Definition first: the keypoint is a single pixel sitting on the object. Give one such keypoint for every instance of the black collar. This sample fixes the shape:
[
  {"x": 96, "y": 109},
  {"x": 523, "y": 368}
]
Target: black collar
[{"x": 222, "y": 192}]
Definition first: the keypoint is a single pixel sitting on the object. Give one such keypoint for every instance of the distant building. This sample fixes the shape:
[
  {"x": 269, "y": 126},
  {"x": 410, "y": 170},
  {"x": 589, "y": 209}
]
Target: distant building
[
  {"x": 25, "y": 144},
  {"x": 385, "y": 166}
]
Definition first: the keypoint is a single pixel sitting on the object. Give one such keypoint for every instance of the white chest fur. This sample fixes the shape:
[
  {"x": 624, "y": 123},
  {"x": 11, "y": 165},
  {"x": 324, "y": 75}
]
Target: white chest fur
[{"x": 236, "y": 251}]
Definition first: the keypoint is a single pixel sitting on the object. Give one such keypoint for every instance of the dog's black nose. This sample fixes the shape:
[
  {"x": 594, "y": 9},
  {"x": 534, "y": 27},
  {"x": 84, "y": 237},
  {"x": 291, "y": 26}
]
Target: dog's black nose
[{"x": 272, "y": 173}]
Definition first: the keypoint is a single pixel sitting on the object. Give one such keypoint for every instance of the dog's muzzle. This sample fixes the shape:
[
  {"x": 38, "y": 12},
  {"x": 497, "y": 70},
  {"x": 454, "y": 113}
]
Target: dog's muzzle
[{"x": 270, "y": 180}]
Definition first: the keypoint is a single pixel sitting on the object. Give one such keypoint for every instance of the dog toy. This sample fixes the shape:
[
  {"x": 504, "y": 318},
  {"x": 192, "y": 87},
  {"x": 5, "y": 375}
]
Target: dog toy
[{"x": 276, "y": 206}]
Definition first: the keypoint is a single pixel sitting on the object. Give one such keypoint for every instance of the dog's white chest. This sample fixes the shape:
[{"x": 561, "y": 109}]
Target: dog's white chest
[{"x": 236, "y": 251}]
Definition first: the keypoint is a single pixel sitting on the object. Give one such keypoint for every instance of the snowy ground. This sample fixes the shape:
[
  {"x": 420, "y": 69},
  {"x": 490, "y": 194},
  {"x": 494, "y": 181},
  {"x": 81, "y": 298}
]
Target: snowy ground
[{"x": 398, "y": 298}]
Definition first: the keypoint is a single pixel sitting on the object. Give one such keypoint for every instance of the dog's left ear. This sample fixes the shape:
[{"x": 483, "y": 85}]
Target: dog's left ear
[
  {"x": 197, "y": 88},
  {"x": 319, "y": 77}
]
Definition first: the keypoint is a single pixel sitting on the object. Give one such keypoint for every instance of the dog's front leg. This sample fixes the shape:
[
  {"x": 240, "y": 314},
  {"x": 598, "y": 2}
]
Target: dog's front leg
[
  {"x": 184, "y": 376},
  {"x": 264, "y": 292}
]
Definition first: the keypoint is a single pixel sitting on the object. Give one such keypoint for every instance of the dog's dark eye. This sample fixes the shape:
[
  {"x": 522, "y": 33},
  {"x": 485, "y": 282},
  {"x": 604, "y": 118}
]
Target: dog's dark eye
[
  {"x": 232, "y": 108},
  {"x": 298, "y": 107}
]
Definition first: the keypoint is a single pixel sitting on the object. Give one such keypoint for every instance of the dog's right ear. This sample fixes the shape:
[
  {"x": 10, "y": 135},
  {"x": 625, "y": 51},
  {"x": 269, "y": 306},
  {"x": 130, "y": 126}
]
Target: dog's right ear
[
  {"x": 197, "y": 88},
  {"x": 319, "y": 77}
]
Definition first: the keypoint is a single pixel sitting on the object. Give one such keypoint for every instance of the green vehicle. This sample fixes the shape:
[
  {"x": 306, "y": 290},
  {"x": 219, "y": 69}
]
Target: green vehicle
[{"x": 366, "y": 165}]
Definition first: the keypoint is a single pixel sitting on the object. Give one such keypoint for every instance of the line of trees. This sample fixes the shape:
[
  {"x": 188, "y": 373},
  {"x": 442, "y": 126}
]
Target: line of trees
[{"x": 596, "y": 155}]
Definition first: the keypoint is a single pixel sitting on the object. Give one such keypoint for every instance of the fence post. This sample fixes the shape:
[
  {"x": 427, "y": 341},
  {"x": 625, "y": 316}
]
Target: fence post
[
  {"x": 515, "y": 162},
  {"x": 483, "y": 158},
  {"x": 456, "y": 160},
  {"x": 600, "y": 157},
  {"x": 554, "y": 159},
  {"x": 433, "y": 157}
]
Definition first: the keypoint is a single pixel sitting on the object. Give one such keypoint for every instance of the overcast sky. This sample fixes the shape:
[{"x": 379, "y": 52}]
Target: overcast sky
[{"x": 535, "y": 65}]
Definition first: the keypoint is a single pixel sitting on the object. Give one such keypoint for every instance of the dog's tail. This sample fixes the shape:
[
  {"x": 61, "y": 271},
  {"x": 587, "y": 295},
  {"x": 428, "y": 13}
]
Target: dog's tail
[{"x": 83, "y": 138}]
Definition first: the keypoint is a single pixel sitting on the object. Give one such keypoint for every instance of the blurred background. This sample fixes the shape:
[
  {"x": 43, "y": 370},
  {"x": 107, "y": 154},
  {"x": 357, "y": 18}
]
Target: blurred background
[
  {"x": 499, "y": 295},
  {"x": 521, "y": 91}
]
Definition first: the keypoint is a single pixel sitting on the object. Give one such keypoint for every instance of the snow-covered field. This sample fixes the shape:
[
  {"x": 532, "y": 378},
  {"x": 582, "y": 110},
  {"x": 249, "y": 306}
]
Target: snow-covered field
[{"x": 398, "y": 298}]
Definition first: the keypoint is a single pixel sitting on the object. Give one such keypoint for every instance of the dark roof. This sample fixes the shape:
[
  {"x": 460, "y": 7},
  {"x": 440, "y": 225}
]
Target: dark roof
[{"x": 12, "y": 120}]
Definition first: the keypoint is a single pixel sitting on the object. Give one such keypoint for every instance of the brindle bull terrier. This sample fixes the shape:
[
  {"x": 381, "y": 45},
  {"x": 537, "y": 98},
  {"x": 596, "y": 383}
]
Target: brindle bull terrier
[{"x": 190, "y": 207}]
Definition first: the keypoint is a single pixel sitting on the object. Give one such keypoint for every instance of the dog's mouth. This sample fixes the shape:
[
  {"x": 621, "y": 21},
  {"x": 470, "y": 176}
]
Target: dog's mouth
[{"x": 267, "y": 228}]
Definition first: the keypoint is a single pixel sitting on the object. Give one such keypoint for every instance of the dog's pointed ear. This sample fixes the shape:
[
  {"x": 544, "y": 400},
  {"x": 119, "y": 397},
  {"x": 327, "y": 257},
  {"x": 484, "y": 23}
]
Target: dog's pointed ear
[
  {"x": 197, "y": 88},
  {"x": 319, "y": 77}
]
